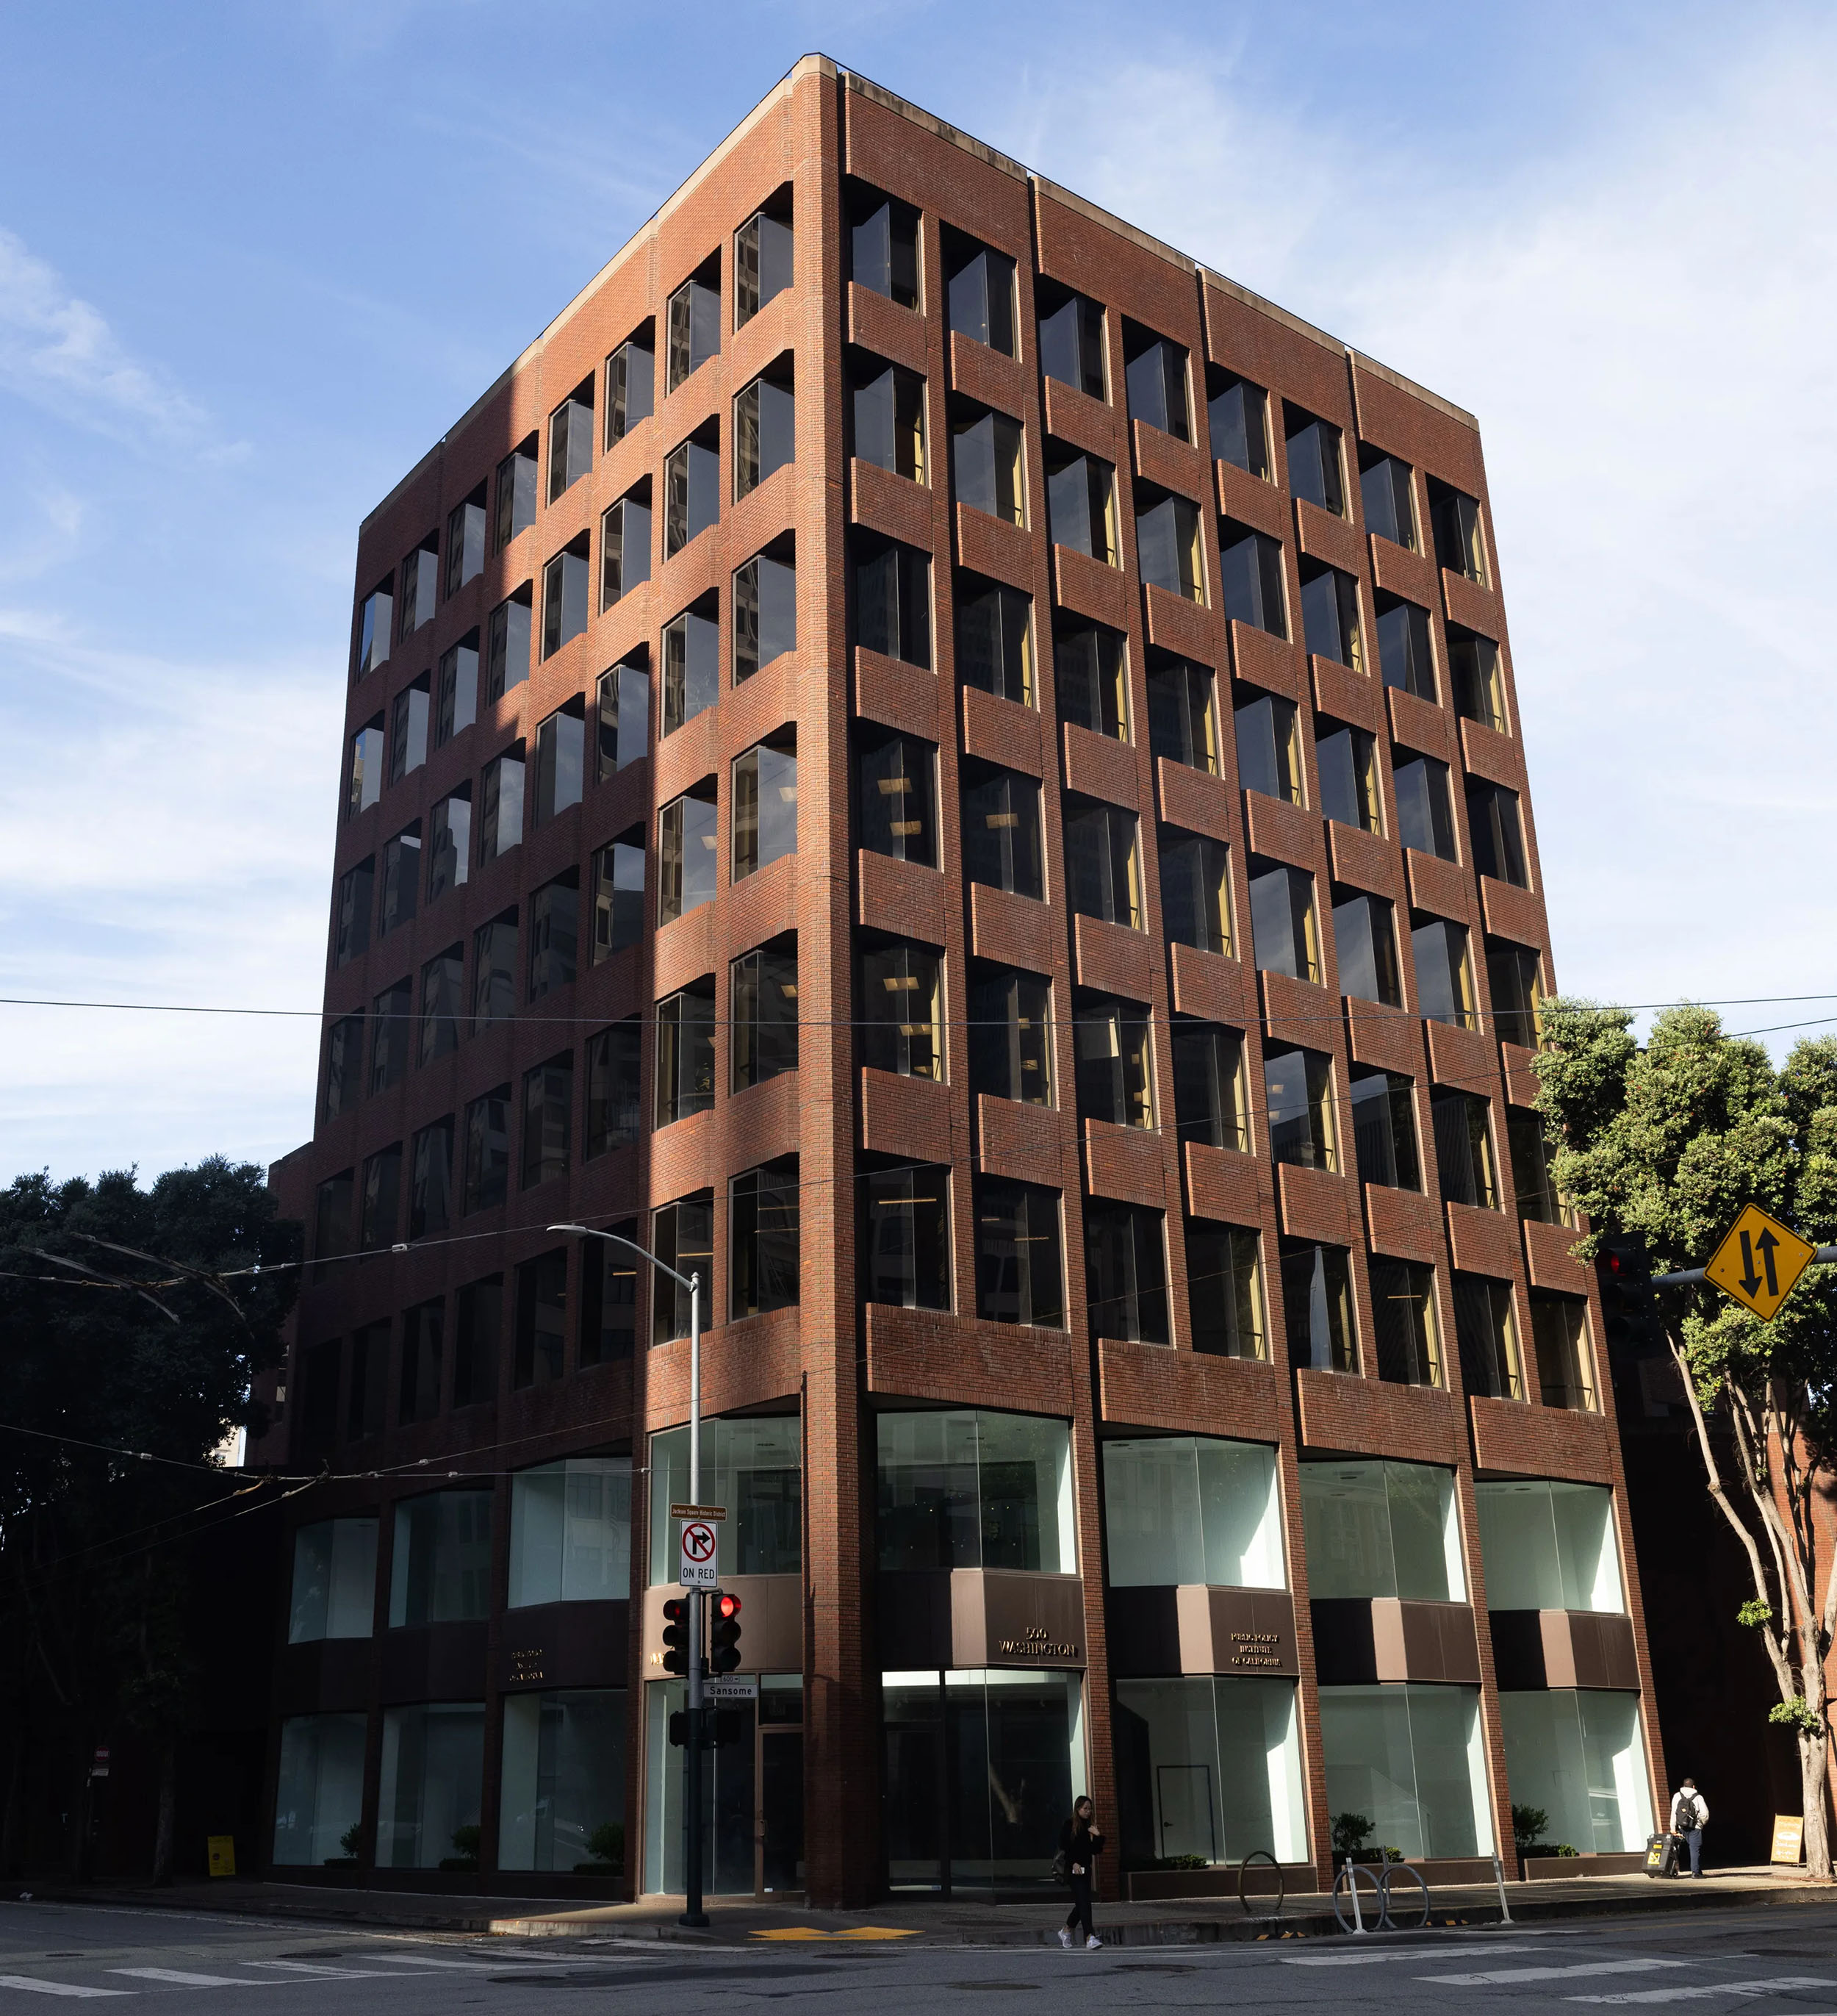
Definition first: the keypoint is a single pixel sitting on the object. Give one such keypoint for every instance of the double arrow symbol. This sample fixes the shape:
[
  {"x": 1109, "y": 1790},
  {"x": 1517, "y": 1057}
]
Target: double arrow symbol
[{"x": 1750, "y": 1280}]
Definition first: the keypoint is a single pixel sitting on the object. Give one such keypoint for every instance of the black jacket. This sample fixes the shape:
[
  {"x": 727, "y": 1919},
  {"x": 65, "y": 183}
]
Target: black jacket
[{"x": 1077, "y": 1843}]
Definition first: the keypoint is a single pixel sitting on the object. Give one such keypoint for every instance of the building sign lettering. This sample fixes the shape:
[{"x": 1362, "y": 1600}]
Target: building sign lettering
[
  {"x": 527, "y": 1667},
  {"x": 1256, "y": 1648},
  {"x": 1034, "y": 1644}
]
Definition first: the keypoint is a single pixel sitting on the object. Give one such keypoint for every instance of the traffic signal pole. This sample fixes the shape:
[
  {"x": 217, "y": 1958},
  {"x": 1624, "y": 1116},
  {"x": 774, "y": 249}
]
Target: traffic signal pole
[
  {"x": 691, "y": 1818},
  {"x": 694, "y": 1915}
]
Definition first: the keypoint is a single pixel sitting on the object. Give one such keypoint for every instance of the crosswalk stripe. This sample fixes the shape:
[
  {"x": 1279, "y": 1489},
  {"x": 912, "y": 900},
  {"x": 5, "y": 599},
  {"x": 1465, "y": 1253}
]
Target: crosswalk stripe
[
  {"x": 180, "y": 1979},
  {"x": 317, "y": 1973},
  {"x": 457, "y": 1966},
  {"x": 1778, "y": 1985},
  {"x": 35, "y": 1987},
  {"x": 1366, "y": 1959},
  {"x": 1502, "y": 1976}
]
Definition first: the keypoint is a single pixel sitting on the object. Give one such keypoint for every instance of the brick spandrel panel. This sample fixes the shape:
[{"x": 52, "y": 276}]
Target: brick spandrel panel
[{"x": 832, "y": 1360}]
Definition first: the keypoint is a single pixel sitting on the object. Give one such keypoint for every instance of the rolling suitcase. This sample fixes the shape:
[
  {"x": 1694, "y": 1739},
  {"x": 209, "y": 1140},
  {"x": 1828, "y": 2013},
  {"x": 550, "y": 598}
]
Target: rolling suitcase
[{"x": 1661, "y": 1855}]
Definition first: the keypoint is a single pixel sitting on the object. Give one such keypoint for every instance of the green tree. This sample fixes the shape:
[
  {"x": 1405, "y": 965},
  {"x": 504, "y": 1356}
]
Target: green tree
[
  {"x": 130, "y": 1325},
  {"x": 1667, "y": 1143}
]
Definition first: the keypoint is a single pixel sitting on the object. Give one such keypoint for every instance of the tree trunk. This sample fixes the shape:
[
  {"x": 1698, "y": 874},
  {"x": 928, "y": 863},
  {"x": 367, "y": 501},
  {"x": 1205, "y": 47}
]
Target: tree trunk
[
  {"x": 168, "y": 1799},
  {"x": 1812, "y": 1759}
]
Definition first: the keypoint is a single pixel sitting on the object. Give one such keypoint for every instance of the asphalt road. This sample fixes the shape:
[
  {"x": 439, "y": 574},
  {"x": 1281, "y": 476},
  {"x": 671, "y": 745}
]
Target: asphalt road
[{"x": 1778, "y": 1960}]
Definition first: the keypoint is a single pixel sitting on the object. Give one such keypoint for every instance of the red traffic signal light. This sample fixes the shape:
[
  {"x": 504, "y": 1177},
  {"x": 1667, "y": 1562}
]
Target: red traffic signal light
[
  {"x": 676, "y": 1634},
  {"x": 724, "y": 1639}
]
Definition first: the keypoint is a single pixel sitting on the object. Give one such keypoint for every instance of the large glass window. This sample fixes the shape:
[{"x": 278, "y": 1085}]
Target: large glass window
[
  {"x": 1549, "y": 1546},
  {"x": 319, "y": 1797},
  {"x": 1125, "y": 1272},
  {"x": 1477, "y": 681},
  {"x": 565, "y": 595},
  {"x": 440, "y": 1566},
  {"x": 541, "y": 1320},
  {"x": 456, "y": 690},
  {"x": 561, "y": 753},
  {"x": 1071, "y": 338},
  {"x": 449, "y": 851},
  {"x": 994, "y": 639},
  {"x": 1019, "y": 1270},
  {"x": 1269, "y": 745},
  {"x": 433, "y": 1781},
  {"x": 762, "y": 1238},
  {"x": 507, "y": 651},
  {"x": 1384, "y": 490},
  {"x": 892, "y": 599},
  {"x": 765, "y": 804},
  {"x": 1408, "y": 1327},
  {"x": 1103, "y": 863},
  {"x": 689, "y": 863},
  {"x": 1485, "y": 1328},
  {"x": 1444, "y": 974},
  {"x": 1576, "y": 1754},
  {"x": 762, "y": 247},
  {"x": 1315, "y": 470},
  {"x": 1514, "y": 980},
  {"x": 555, "y": 934},
  {"x": 351, "y": 937},
  {"x": 1001, "y": 842},
  {"x": 1317, "y": 1290},
  {"x": 1496, "y": 836},
  {"x": 765, "y": 429},
  {"x": 500, "y": 804},
  {"x": 980, "y": 301},
  {"x": 887, "y": 409},
  {"x": 571, "y": 1531},
  {"x": 1411, "y": 1760},
  {"x": 1330, "y": 626},
  {"x": 494, "y": 971},
  {"x": 376, "y": 626},
  {"x": 423, "y": 1347},
  {"x": 691, "y": 663},
  {"x": 1250, "y": 574},
  {"x": 1404, "y": 659},
  {"x": 1182, "y": 724},
  {"x": 618, "y": 893},
  {"x": 1237, "y": 417},
  {"x": 1081, "y": 503},
  {"x": 344, "y": 1064},
  {"x": 1381, "y": 1529},
  {"x": 1196, "y": 890},
  {"x": 883, "y": 244},
  {"x": 365, "y": 784},
  {"x": 1192, "y": 1509},
  {"x": 1115, "y": 1066},
  {"x": 625, "y": 546},
  {"x": 989, "y": 472},
  {"x": 1348, "y": 761},
  {"x": 1091, "y": 667},
  {"x": 765, "y": 1012},
  {"x": 1167, "y": 542},
  {"x": 682, "y": 1237},
  {"x": 562, "y": 1805},
  {"x": 1365, "y": 939},
  {"x": 407, "y": 730},
  {"x": 1559, "y": 1329},
  {"x": 614, "y": 1108},
  {"x": 970, "y": 1488},
  {"x": 693, "y": 324},
  {"x": 685, "y": 1053},
  {"x": 1155, "y": 373},
  {"x": 902, "y": 1009},
  {"x": 1384, "y": 1128},
  {"x": 487, "y": 1149},
  {"x": 1464, "y": 1148},
  {"x": 1224, "y": 1290},
  {"x": 624, "y": 719},
  {"x": 1011, "y": 1035},
  {"x": 570, "y": 439},
  {"x": 631, "y": 375},
  {"x": 609, "y": 1298},
  {"x": 765, "y": 611},
  {"x": 899, "y": 796},
  {"x": 1209, "y": 1104},
  {"x": 1298, "y": 1087},
  {"x": 1208, "y": 1768},
  {"x": 906, "y": 1237},
  {"x": 334, "y": 1580},
  {"x": 516, "y": 492},
  {"x": 1283, "y": 926},
  {"x": 754, "y": 1468},
  {"x": 1459, "y": 545}
]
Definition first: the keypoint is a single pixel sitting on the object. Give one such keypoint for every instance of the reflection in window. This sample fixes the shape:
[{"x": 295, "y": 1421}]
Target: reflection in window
[
  {"x": 1269, "y": 745},
  {"x": 1125, "y": 1272},
  {"x": 1381, "y": 1529},
  {"x": 570, "y": 439},
  {"x": 571, "y": 1531},
  {"x": 618, "y": 893},
  {"x": 430, "y": 1191},
  {"x": 564, "y": 596},
  {"x": 682, "y": 1237},
  {"x": 401, "y": 879},
  {"x": 1493, "y": 829},
  {"x": 765, "y": 804},
  {"x": 365, "y": 770},
  {"x": 692, "y": 489},
  {"x": 980, "y": 301},
  {"x": 994, "y": 639},
  {"x": 1314, "y": 470},
  {"x": 693, "y": 324},
  {"x": 765, "y": 429},
  {"x": 376, "y": 627},
  {"x": 1192, "y": 1509},
  {"x": 1444, "y": 979},
  {"x": 407, "y": 730},
  {"x": 625, "y": 546},
  {"x": 449, "y": 843},
  {"x": 902, "y": 1009},
  {"x": 1237, "y": 416},
  {"x": 561, "y": 751},
  {"x": 1486, "y": 1333},
  {"x": 1384, "y": 490},
  {"x": 1011, "y": 1035},
  {"x": 555, "y": 934},
  {"x": 1020, "y": 1273},
  {"x": 609, "y": 1295},
  {"x": 516, "y": 492},
  {"x": 906, "y": 1238},
  {"x": 494, "y": 971},
  {"x": 622, "y": 719},
  {"x": 1155, "y": 374},
  {"x": 440, "y": 1565},
  {"x": 1479, "y": 683},
  {"x": 899, "y": 796},
  {"x": 1282, "y": 922},
  {"x": 1297, "y": 1088},
  {"x": 344, "y": 1064},
  {"x": 762, "y": 264},
  {"x": 763, "y": 1240},
  {"x": 687, "y": 859},
  {"x": 418, "y": 1393},
  {"x": 1366, "y": 944},
  {"x": 1001, "y": 844},
  {"x": 1090, "y": 670},
  {"x": 883, "y": 244},
  {"x": 1081, "y": 503},
  {"x": 892, "y": 599},
  {"x": 972, "y": 1489},
  {"x": 334, "y": 1593},
  {"x": 1250, "y": 578},
  {"x": 548, "y": 1106},
  {"x": 392, "y": 1028},
  {"x": 1183, "y": 724},
  {"x": 1459, "y": 545},
  {"x": 1347, "y": 760},
  {"x": 500, "y": 804},
  {"x": 765, "y": 612},
  {"x": 1103, "y": 863},
  {"x": 1404, "y": 1313},
  {"x": 1403, "y": 657},
  {"x": 615, "y": 1107},
  {"x": 1195, "y": 891},
  {"x": 1330, "y": 615},
  {"x": 765, "y": 985},
  {"x": 456, "y": 690},
  {"x": 632, "y": 377},
  {"x": 755, "y": 1468},
  {"x": 466, "y": 540},
  {"x": 1224, "y": 1290},
  {"x": 1384, "y": 1128},
  {"x": 507, "y": 651},
  {"x": 1115, "y": 1067},
  {"x": 1071, "y": 339},
  {"x": 1209, "y": 1102},
  {"x": 685, "y": 1053},
  {"x": 1566, "y": 1374},
  {"x": 350, "y": 936},
  {"x": 1167, "y": 543},
  {"x": 887, "y": 410},
  {"x": 487, "y": 1150}
]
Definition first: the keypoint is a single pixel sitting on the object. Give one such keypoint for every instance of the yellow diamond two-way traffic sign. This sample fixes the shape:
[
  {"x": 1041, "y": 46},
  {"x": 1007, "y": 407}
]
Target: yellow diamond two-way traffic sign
[{"x": 1759, "y": 1262}]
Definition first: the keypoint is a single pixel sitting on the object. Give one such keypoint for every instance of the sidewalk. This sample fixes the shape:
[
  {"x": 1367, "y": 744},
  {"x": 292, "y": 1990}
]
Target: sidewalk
[{"x": 743, "y": 1921}]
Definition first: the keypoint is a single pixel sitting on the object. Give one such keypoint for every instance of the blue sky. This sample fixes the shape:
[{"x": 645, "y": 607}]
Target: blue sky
[{"x": 254, "y": 259}]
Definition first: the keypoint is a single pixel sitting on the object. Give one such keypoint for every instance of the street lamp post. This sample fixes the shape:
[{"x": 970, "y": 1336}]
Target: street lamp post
[{"x": 694, "y": 1915}]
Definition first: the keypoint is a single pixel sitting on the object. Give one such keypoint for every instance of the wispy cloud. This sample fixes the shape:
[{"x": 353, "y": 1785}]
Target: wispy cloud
[{"x": 58, "y": 350}]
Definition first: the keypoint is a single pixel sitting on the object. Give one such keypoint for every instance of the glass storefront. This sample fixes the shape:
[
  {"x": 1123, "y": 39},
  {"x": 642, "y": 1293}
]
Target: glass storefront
[
  {"x": 561, "y": 1803},
  {"x": 1576, "y": 1753},
  {"x": 427, "y": 1811},
  {"x": 969, "y": 1488},
  {"x": 982, "y": 1769},
  {"x": 1208, "y": 1767},
  {"x": 334, "y": 1581},
  {"x": 755, "y": 1468},
  {"x": 1408, "y": 1761},
  {"x": 1549, "y": 1546},
  {"x": 751, "y": 1794},
  {"x": 1192, "y": 1509},
  {"x": 571, "y": 1531},
  {"x": 1381, "y": 1529},
  {"x": 319, "y": 1800},
  {"x": 439, "y": 1569}
]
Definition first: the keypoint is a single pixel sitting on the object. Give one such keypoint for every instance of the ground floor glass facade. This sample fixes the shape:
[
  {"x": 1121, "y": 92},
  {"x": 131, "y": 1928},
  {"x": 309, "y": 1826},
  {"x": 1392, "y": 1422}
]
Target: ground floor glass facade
[
  {"x": 427, "y": 1809},
  {"x": 319, "y": 1798},
  {"x": 1208, "y": 1767},
  {"x": 562, "y": 1802},
  {"x": 1411, "y": 1760},
  {"x": 981, "y": 1770},
  {"x": 752, "y": 1795},
  {"x": 1578, "y": 1755}
]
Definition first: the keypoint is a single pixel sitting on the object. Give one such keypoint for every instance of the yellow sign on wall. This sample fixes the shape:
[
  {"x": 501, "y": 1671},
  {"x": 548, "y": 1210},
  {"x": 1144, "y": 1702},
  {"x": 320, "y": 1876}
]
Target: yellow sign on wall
[
  {"x": 223, "y": 1854},
  {"x": 1759, "y": 1262}
]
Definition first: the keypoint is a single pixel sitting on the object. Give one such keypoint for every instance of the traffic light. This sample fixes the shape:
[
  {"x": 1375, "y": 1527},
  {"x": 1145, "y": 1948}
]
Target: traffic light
[
  {"x": 724, "y": 1639},
  {"x": 676, "y": 1634},
  {"x": 1629, "y": 1311}
]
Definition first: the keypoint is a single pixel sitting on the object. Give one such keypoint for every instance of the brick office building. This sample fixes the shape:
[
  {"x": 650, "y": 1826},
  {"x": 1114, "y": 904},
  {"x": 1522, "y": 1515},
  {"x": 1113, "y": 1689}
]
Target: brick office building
[{"x": 928, "y": 756}]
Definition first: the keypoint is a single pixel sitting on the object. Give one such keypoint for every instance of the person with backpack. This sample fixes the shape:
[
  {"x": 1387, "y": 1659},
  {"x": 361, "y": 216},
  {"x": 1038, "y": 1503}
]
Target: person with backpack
[
  {"x": 1081, "y": 1841},
  {"x": 1689, "y": 1812}
]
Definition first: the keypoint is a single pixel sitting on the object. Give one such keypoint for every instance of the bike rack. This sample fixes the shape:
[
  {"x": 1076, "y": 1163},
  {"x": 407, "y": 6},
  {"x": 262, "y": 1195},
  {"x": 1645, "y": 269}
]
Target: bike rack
[
  {"x": 1347, "y": 1879},
  {"x": 1261, "y": 1854}
]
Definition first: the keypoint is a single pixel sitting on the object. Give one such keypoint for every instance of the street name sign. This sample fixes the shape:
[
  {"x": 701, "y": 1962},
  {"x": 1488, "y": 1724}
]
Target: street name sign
[
  {"x": 713, "y": 1514},
  {"x": 698, "y": 1556},
  {"x": 1758, "y": 1262}
]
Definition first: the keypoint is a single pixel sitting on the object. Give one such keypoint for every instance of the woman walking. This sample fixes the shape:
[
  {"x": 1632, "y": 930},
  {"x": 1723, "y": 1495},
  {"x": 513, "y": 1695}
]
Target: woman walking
[{"x": 1079, "y": 1841}]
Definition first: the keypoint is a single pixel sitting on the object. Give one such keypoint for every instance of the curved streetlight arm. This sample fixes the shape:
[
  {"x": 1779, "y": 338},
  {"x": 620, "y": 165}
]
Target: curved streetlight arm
[{"x": 612, "y": 1238}]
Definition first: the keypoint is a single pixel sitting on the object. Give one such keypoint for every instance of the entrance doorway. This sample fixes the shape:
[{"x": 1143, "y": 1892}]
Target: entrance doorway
[{"x": 752, "y": 1795}]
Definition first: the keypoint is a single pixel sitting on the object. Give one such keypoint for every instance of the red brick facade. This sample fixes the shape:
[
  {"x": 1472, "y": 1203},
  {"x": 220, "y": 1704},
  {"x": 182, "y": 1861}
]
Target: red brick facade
[{"x": 831, "y": 1356}]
